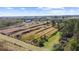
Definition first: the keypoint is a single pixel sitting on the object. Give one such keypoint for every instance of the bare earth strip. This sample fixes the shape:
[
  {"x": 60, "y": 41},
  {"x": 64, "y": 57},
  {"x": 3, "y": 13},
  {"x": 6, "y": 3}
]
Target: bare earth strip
[
  {"x": 29, "y": 35},
  {"x": 44, "y": 32},
  {"x": 19, "y": 43}
]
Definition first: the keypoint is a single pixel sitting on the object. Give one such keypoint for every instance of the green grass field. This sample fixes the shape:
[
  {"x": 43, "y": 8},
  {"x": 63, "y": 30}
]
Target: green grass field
[{"x": 52, "y": 41}]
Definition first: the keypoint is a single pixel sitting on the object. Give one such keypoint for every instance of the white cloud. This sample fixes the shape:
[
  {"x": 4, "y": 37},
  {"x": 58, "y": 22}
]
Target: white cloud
[
  {"x": 9, "y": 8},
  {"x": 23, "y": 8},
  {"x": 44, "y": 8},
  {"x": 50, "y": 8}
]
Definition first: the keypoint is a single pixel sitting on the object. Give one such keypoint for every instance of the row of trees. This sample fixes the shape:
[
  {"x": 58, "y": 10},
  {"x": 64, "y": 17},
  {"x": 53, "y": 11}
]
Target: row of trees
[
  {"x": 38, "y": 42},
  {"x": 69, "y": 33},
  {"x": 5, "y": 23}
]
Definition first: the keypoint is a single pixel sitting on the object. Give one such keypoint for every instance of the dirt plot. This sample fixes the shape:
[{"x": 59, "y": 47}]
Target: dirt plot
[
  {"x": 44, "y": 32},
  {"x": 28, "y": 36},
  {"x": 9, "y": 43},
  {"x": 11, "y": 31},
  {"x": 28, "y": 33},
  {"x": 25, "y": 31}
]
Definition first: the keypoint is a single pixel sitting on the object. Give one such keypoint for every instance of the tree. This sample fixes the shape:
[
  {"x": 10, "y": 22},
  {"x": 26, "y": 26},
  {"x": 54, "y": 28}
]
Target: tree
[
  {"x": 58, "y": 47},
  {"x": 71, "y": 29},
  {"x": 53, "y": 23},
  {"x": 42, "y": 40}
]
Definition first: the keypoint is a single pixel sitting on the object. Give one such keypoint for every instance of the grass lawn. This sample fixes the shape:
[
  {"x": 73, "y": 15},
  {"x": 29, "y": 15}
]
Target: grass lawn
[{"x": 51, "y": 41}]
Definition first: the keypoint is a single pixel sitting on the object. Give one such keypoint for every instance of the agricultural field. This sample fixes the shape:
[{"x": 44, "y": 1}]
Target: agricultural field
[
  {"x": 40, "y": 35},
  {"x": 33, "y": 33}
]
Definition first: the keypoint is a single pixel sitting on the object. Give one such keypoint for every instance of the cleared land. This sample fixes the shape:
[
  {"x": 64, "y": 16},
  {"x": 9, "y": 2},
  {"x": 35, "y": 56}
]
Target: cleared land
[
  {"x": 14, "y": 44},
  {"x": 30, "y": 35},
  {"x": 44, "y": 32},
  {"x": 29, "y": 32}
]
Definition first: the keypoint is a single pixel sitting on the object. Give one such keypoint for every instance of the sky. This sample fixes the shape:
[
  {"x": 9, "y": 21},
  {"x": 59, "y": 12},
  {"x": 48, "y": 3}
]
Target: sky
[
  {"x": 38, "y": 11},
  {"x": 38, "y": 7}
]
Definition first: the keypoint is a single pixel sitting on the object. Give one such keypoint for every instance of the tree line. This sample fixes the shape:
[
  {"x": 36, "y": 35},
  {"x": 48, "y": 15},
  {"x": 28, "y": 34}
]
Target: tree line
[{"x": 69, "y": 35}]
